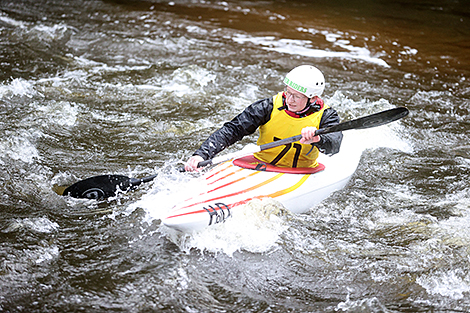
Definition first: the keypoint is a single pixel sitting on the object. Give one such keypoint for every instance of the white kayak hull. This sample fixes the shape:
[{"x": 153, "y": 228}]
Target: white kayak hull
[{"x": 228, "y": 186}]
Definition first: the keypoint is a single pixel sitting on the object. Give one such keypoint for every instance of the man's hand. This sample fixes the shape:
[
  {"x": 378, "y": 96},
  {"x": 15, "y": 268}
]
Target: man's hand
[
  {"x": 191, "y": 164},
  {"x": 308, "y": 135}
]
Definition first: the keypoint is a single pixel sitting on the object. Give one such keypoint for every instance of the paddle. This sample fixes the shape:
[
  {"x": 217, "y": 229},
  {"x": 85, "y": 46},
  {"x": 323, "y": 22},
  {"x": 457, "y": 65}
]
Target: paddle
[{"x": 105, "y": 186}]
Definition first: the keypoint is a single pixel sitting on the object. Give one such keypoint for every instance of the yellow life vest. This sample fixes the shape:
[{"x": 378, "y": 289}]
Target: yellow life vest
[{"x": 281, "y": 125}]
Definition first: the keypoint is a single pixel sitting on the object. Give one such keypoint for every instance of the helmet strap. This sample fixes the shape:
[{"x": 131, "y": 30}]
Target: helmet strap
[
  {"x": 309, "y": 108},
  {"x": 284, "y": 104}
]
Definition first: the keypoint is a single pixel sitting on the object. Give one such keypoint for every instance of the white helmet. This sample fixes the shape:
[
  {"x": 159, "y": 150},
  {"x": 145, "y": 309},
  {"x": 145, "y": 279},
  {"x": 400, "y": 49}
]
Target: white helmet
[{"x": 306, "y": 79}]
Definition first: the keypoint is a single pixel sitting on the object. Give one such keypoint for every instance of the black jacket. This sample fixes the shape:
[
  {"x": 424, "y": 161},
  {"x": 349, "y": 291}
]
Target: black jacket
[{"x": 257, "y": 114}]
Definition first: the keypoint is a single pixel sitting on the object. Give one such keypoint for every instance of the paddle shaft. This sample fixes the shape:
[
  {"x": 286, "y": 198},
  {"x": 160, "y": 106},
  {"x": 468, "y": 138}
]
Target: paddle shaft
[{"x": 373, "y": 120}]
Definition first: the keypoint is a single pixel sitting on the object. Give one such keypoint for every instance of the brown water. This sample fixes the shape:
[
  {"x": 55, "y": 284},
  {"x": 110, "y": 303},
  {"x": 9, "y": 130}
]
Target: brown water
[{"x": 133, "y": 88}]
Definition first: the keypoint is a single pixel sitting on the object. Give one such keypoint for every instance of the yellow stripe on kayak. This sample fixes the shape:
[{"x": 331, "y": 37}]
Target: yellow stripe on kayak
[
  {"x": 232, "y": 194},
  {"x": 274, "y": 194},
  {"x": 291, "y": 188}
]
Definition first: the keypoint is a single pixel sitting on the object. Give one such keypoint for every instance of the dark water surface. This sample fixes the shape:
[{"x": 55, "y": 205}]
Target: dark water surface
[{"x": 133, "y": 88}]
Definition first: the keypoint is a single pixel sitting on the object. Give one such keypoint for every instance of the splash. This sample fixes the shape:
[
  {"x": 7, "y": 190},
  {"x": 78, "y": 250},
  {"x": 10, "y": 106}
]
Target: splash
[
  {"x": 19, "y": 148},
  {"x": 187, "y": 80},
  {"x": 362, "y": 305},
  {"x": 256, "y": 227},
  {"x": 38, "y": 224},
  {"x": 454, "y": 284},
  {"x": 17, "y": 87},
  {"x": 167, "y": 189}
]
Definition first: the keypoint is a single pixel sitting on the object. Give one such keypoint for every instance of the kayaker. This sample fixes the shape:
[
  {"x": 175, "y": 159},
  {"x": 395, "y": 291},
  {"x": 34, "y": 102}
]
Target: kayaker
[{"x": 296, "y": 110}]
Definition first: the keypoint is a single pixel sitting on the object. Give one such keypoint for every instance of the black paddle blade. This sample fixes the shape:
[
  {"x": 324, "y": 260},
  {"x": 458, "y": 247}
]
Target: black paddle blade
[
  {"x": 98, "y": 187},
  {"x": 373, "y": 120},
  {"x": 382, "y": 118}
]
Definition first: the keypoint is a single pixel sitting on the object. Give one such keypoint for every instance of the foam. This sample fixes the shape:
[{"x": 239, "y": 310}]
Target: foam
[
  {"x": 260, "y": 219},
  {"x": 303, "y": 48},
  {"x": 11, "y": 21},
  {"x": 454, "y": 284},
  {"x": 18, "y": 148},
  {"x": 17, "y": 87}
]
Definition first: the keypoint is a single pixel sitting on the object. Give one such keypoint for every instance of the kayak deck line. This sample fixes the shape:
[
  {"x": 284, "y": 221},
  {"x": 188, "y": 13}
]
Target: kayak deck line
[
  {"x": 215, "y": 172},
  {"x": 232, "y": 182},
  {"x": 273, "y": 195},
  {"x": 234, "y": 193},
  {"x": 213, "y": 182},
  {"x": 222, "y": 186}
]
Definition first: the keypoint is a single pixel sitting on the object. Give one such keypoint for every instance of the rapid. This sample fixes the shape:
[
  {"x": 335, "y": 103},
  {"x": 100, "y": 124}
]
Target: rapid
[{"x": 91, "y": 87}]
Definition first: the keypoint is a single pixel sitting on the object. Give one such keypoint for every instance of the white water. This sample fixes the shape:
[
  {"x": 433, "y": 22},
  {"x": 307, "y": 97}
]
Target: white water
[{"x": 90, "y": 88}]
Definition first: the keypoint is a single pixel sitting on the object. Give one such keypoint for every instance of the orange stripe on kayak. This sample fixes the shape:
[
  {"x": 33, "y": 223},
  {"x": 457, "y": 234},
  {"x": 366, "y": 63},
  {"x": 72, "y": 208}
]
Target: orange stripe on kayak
[
  {"x": 230, "y": 195},
  {"x": 220, "y": 170},
  {"x": 273, "y": 195},
  {"x": 233, "y": 182},
  {"x": 227, "y": 175}
]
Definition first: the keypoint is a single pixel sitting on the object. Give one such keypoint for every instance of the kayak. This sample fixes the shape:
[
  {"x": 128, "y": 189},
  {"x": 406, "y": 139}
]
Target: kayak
[
  {"x": 314, "y": 187},
  {"x": 234, "y": 183}
]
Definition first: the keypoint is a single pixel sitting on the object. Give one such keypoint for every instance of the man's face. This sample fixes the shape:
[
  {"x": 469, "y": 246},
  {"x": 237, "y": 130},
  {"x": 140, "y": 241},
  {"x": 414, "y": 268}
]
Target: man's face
[{"x": 295, "y": 101}]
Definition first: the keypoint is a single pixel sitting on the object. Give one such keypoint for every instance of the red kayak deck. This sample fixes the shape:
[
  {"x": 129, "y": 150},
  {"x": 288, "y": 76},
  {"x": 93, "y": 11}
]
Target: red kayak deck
[{"x": 250, "y": 162}]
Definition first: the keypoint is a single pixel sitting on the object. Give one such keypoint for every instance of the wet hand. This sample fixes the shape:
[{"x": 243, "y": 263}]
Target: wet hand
[
  {"x": 308, "y": 135},
  {"x": 191, "y": 164}
]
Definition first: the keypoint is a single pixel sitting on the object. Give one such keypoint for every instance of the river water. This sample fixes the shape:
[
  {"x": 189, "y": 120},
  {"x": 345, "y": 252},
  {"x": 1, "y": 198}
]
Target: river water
[{"x": 133, "y": 87}]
